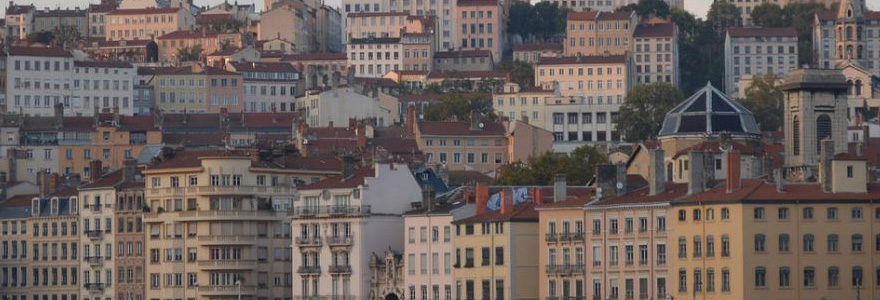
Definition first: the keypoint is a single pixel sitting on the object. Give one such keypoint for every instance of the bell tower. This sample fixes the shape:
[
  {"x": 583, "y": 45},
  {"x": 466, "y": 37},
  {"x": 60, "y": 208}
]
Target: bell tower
[
  {"x": 849, "y": 30},
  {"x": 814, "y": 109}
]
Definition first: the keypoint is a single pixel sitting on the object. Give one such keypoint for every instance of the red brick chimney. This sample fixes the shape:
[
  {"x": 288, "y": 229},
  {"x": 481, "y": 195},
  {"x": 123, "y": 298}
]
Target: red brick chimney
[
  {"x": 506, "y": 201},
  {"x": 96, "y": 170},
  {"x": 734, "y": 181},
  {"x": 482, "y": 195},
  {"x": 537, "y": 195},
  {"x": 411, "y": 119}
]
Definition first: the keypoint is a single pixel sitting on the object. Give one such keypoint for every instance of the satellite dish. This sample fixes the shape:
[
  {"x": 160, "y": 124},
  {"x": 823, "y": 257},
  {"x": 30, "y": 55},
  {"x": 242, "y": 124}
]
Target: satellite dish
[
  {"x": 482, "y": 125},
  {"x": 305, "y": 141},
  {"x": 421, "y": 116},
  {"x": 619, "y": 185}
]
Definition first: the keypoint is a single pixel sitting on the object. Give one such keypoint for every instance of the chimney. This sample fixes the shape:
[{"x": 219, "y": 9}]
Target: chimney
[
  {"x": 361, "y": 132},
  {"x": 560, "y": 188},
  {"x": 482, "y": 195},
  {"x": 43, "y": 183},
  {"x": 537, "y": 195},
  {"x": 59, "y": 115},
  {"x": 696, "y": 174},
  {"x": 54, "y": 181},
  {"x": 347, "y": 166},
  {"x": 475, "y": 120},
  {"x": 411, "y": 118},
  {"x": 506, "y": 201},
  {"x": 826, "y": 155},
  {"x": 96, "y": 170},
  {"x": 734, "y": 178},
  {"x": 606, "y": 176},
  {"x": 656, "y": 172},
  {"x": 428, "y": 197},
  {"x": 129, "y": 170},
  {"x": 779, "y": 180}
]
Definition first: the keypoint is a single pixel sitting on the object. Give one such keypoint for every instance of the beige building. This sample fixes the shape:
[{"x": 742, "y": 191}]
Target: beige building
[
  {"x": 442, "y": 13},
  {"x": 477, "y": 145},
  {"x": 756, "y": 52},
  {"x": 146, "y": 23},
  {"x": 19, "y": 21},
  {"x": 837, "y": 40},
  {"x": 48, "y": 19},
  {"x": 216, "y": 226},
  {"x": 208, "y": 41},
  {"x": 464, "y": 60},
  {"x": 532, "y": 53},
  {"x": 15, "y": 252},
  {"x": 598, "y": 33},
  {"x": 320, "y": 69},
  {"x": 656, "y": 53},
  {"x": 55, "y": 241},
  {"x": 526, "y": 104},
  {"x": 604, "y": 5},
  {"x": 482, "y": 26}
]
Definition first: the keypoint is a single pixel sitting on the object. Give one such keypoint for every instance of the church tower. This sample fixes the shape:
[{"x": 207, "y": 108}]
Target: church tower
[
  {"x": 815, "y": 106},
  {"x": 849, "y": 31}
]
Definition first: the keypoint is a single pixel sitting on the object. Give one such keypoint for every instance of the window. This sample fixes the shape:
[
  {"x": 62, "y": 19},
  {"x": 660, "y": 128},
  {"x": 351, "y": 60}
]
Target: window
[
  {"x": 784, "y": 277},
  {"x": 857, "y": 276},
  {"x": 782, "y": 213},
  {"x": 832, "y": 243},
  {"x": 759, "y": 243},
  {"x": 725, "y": 246},
  {"x": 808, "y": 243},
  {"x": 856, "y": 243},
  {"x": 760, "y": 277},
  {"x": 856, "y": 213},
  {"x": 759, "y": 213},
  {"x": 833, "y": 277},
  {"x": 831, "y": 213},
  {"x": 808, "y": 213},
  {"x": 725, "y": 213}
]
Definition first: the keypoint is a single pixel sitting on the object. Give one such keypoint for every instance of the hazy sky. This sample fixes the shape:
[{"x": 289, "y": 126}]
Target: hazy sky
[{"x": 698, "y": 7}]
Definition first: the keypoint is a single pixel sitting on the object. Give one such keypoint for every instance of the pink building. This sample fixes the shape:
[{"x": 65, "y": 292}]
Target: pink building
[
  {"x": 225, "y": 91},
  {"x": 482, "y": 25}
]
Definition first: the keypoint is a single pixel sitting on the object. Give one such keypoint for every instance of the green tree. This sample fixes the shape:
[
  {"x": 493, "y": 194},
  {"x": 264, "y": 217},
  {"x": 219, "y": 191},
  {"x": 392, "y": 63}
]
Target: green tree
[
  {"x": 648, "y": 7},
  {"x": 193, "y": 53},
  {"x": 700, "y": 45},
  {"x": 521, "y": 72},
  {"x": 542, "y": 20},
  {"x": 723, "y": 15},
  {"x": 458, "y": 106},
  {"x": 769, "y": 15},
  {"x": 641, "y": 115},
  {"x": 764, "y": 99},
  {"x": 578, "y": 167},
  {"x": 42, "y": 37}
]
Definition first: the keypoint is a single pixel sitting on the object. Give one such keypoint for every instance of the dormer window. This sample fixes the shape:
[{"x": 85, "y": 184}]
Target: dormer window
[
  {"x": 54, "y": 209},
  {"x": 73, "y": 205},
  {"x": 849, "y": 13},
  {"x": 35, "y": 207}
]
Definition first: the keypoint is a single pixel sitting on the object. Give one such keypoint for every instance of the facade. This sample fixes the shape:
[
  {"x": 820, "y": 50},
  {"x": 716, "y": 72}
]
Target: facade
[
  {"x": 195, "y": 89},
  {"x": 329, "y": 29},
  {"x": 106, "y": 137},
  {"x": 656, "y": 53},
  {"x": 336, "y": 106},
  {"x": 269, "y": 86},
  {"x": 290, "y": 21},
  {"x": 366, "y": 56},
  {"x": 482, "y": 24},
  {"x": 757, "y": 52},
  {"x": 443, "y": 14},
  {"x": 75, "y": 20},
  {"x": 97, "y": 19},
  {"x": 207, "y": 40},
  {"x": 19, "y": 21},
  {"x": 146, "y": 23},
  {"x": 103, "y": 87},
  {"x": 599, "y": 33},
  {"x": 14, "y": 255},
  {"x": 837, "y": 39},
  {"x": 532, "y": 53},
  {"x": 474, "y": 146},
  {"x": 464, "y": 60},
  {"x": 320, "y": 69},
  {"x": 56, "y": 244},
  {"x": 342, "y": 221},
  {"x": 38, "y": 79},
  {"x": 522, "y": 104},
  {"x": 602, "y": 5}
]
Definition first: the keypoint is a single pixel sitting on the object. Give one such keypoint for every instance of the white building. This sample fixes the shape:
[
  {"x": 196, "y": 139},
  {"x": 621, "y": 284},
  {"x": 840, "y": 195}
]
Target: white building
[
  {"x": 656, "y": 53},
  {"x": 102, "y": 86},
  {"x": 269, "y": 86},
  {"x": 442, "y": 10},
  {"x": 757, "y": 52},
  {"x": 97, "y": 240},
  {"x": 336, "y": 106},
  {"x": 605, "y": 5},
  {"x": 373, "y": 57},
  {"x": 341, "y": 221}
]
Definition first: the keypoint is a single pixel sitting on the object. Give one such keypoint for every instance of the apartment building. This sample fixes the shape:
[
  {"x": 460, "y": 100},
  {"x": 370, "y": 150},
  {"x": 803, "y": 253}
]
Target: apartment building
[
  {"x": 109, "y": 138},
  {"x": 533, "y": 52},
  {"x": 525, "y": 104},
  {"x": 290, "y": 21},
  {"x": 745, "y": 7},
  {"x": 337, "y": 106},
  {"x": 464, "y": 60},
  {"x": 195, "y": 89},
  {"x": 483, "y": 26},
  {"x": 269, "y": 86},
  {"x": 129, "y": 236},
  {"x": 605, "y": 5},
  {"x": 208, "y": 41},
  {"x": 98, "y": 239},
  {"x": 475, "y": 145},
  {"x": 507, "y": 263},
  {"x": 429, "y": 233},
  {"x": 656, "y": 53},
  {"x": 146, "y": 23},
  {"x": 836, "y": 37},
  {"x": 386, "y": 24},
  {"x": 441, "y": 12},
  {"x": 599, "y": 33},
  {"x": 103, "y": 87},
  {"x": 19, "y": 21},
  {"x": 55, "y": 240},
  {"x": 319, "y": 69},
  {"x": 14, "y": 254},
  {"x": 37, "y": 79},
  {"x": 373, "y": 57},
  {"x": 755, "y": 52},
  {"x": 216, "y": 224},
  {"x": 342, "y": 221},
  {"x": 97, "y": 18},
  {"x": 49, "y": 19}
]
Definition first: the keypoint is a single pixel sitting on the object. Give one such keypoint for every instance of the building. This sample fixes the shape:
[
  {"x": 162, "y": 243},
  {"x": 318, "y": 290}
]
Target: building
[
  {"x": 14, "y": 255},
  {"x": 595, "y": 33},
  {"x": 208, "y": 41},
  {"x": 525, "y": 140},
  {"x": 836, "y": 38},
  {"x": 269, "y": 86},
  {"x": 336, "y": 106},
  {"x": 228, "y": 208},
  {"x": 464, "y": 60},
  {"x": 19, "y": 21},
  {"x": 195, "y": 89},
  {"x": 600, "y": 5},
  {"x": 341, "y": 221},
  {"x": 386, "y": 275},
  {"x": 464, "y": 81},
  {"x": 442, "y": 13},
  {"x": 475, "y": 145},
  {"x": 320, "y": 69},
  {"x": 656, "y": 53},
  {"x": 102, "y": 87},
  {"x": 533, "y": 52},
  {"x": 97, "y": 19},
  {"x": 375, "y": 25},
  {"x": 38, "y": 79},
  {"x": 757, "y": 52},
  {"x": 745, "y": 8},
  {"x": 55, "y": 266},
  {"x": 329, "y": 29},
  {"x": 74, "y": 20},
  {"x": 291, "y": 21},
  {"x": 374, "y": 57},
  {"x": 110, "y": 138},
  {"x": 133, "y": 24},
  {"x": 133, "y": 51},
  {"x": 526, "y": 104},
  {"x": 482, "y": 24}
]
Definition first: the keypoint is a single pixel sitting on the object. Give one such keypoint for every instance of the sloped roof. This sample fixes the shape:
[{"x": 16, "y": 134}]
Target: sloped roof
[
  {"x": 710, "y": 111},
  {"x": 666, "y": 29},
  {"x": 762, "y": 32},
  {"x": 524, "y": 212},
  {"x": 460, "y": 128},
  {"x": 338, "y": 181},
  {"x": 38, "y": 51}
]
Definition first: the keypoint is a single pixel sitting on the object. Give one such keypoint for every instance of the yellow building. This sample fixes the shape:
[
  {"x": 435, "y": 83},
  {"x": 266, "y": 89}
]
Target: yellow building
[
  {"x": 109, "y": 138},
  {"x": 598, "y": 33},
  {"x": 475, "y": 145},
  {"x": 495, "y": 251}
]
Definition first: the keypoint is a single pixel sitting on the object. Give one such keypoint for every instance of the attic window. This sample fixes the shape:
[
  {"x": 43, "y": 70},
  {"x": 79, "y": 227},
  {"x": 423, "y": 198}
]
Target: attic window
[{"x": 849, "y": 13}]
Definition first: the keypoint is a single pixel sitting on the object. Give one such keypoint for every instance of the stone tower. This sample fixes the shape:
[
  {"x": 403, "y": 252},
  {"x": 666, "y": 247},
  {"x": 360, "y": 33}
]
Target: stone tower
[
  {"x": 815, "y": 109},
  {"x": 849, "y": 31}
]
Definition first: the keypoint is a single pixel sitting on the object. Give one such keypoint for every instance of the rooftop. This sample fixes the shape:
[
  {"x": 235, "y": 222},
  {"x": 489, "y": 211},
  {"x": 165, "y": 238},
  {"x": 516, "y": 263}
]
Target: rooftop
[
  {"x": 463, "y": 53},
  {"x": 38, "y": 51},
  {"x": 461, "y": 128},
  {"x": 654, "y": 30},
  {"x": 338, "y": 181},
  {"x": 709, "y": 111},
  {"x": 582, "y": 59},
  {"x": 762, "y": 32}
]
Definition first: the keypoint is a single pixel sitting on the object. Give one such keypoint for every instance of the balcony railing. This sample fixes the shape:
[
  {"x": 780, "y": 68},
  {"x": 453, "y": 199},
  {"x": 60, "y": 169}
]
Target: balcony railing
[
  {"x": 309, "y": 270},
  {"x": 226, "y": 290},
  {"x": 565, "y": 269},
  {"x": 221, "y": 189},
  {"x": 95, "y": 234},
  {"x": 308, "y": 241},
  {"x": 94, "y": 287},
  {"x": 228, "y": 238},
  {"x": 340, "y": 269},
  {"x": 551, "y": 237},
  {"x": 578, "y": 236},
  {"x": 228, "y": 264},
  {"x": 339, "y": 240},
  {"x": 95, "y": 260},
  {"x": 330, "y": 210}
]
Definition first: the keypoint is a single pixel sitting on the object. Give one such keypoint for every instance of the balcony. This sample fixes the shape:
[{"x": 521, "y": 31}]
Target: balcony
[
  {"x": 578, "y": 237},
  {"x": 329, "y": 211},
  {"x": 216, "y": 264},
  {"x": 308, "y": 241},
  {"x": 339, "y": 240},
  {"x": 95, "y": 234},
  {"x": 95, "y": 260},
  {"x": 94, "y": 287},
  {"x": 565, "y": 236},
  {"x": 227, "y": 239},
  {"x": 208, "y": 215},
  {"x": 309, "y": 270},
  {"x": 226, "y": 290},
  {"x": 552, "y": 269},
  {"x": 221, "y": 190},
  {"x": 340, "y": 270},
  {"x": 551, "y": 237}
]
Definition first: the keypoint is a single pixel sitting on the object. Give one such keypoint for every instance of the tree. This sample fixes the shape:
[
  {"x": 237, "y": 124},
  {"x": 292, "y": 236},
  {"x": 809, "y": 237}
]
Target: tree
[
  {"x": 521, "y": 73},
  {"x": 42, "y": 37},
  {"x": 193, "y": 53},
  {"x": 867, "y": 113},
  {"x": 769, "y": 15},
  {"x": 578, "y": 167},
  {"x": 764, "y": 99},
  {"x": 642, "y": 114},
  {"x": 723, "y": 15},
  {"x": 458, "y": 106},
  {"x": 701, "y": 44},
  {"x": 797, "y": 15},
  {"x": 542, "y": 20},
  {"x": 648, "y": 7}
]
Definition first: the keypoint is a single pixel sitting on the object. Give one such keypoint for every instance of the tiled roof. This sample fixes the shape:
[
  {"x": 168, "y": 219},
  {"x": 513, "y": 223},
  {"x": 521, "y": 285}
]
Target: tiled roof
[
  {"x": 529, "y": 90},
  {"x": 315, "y": 56},
  {"x": 257, "y": 120},
  {"x": 193, "y": 158},
  {"x": 762, "y": 32},
  {"x": 654, "y": 30},
  {"x": 467, "y": 74},
  {"x": 137, "y": 123},
  {"x": 102, "y": 64},
  {"x": 580, "y": 59},
  {"x": 330, "y": 132},
  {"x": 524, "y": 212},
  {"x": 225, "y": 52},
  {"x": 38, "y": 51},
  {"x": 302, "y": 163},
  {"x": 339, "y": 182},
  {"x": 375, "y": 14},
  {"x": 113, "y": 179},
  {"x": 715, "y": 146},
  {"x": 582, "y": 15},
  {"x": 20, "y": 200},
  {"x": 477, "y": 2},
  {"x": 189, "y": 34},
  {"x": 374, "y": 40},
  {"x": 144, "y": 11},
  {"x": 19, "y": 9},
  {"x": 205, "y": 19},
  {"x": 758, "y": 190},
  {"x": 463, "y": 53},
  {"x": 411, "y": 72},
  {"x": 640, "y": 196},
  {"x": 461, "y": 129},
  {"x": 101, "y": 8},
  {"x": 264, "y": 67},
  {"x": 60, "y": 13},
  {"x": 830, "y": 15},
  {"x": 538, "y": 47},
  {"x": 194, "y": 139}
]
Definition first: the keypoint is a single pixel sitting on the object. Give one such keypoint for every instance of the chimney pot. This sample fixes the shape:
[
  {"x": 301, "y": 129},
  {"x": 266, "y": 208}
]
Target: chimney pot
[
  {"x": 506, "y": 201},
  {"x": 482, "y": 196},
  {"x": 560, "y": 188},
  {"x": 656, "y": 172},
  {"x": 697, "y": 180},
  {"x": 734, "y": 177}
]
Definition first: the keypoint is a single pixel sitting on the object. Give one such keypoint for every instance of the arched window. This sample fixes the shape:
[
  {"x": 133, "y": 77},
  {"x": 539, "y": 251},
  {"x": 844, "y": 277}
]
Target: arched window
[
  {"x": 725, "y": 213},
  {"x": 859, "y": 52},
  {"x": 823, "y": 130},
  {"x": 784, "y": 277},
  {"x": 808, "y": 243},
  {"x": 858, "y": 86},
  {"x": 850, "y": 87},
  {"x": 796, "y": 135},
  {"x": 849, "y": 33},
  {"x": 783, "y": 242},
  {"x": 832, "y": 243},
  {"x": 857, "y": 276},
  {"x": 834, "y": 276},
  {"x": 759, "y": 243},
  {"x": 760, "y": 276}
]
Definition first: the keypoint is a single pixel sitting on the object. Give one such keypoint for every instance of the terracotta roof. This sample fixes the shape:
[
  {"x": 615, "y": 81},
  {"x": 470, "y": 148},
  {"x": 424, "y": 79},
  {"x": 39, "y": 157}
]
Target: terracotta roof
[
  {"x": 20, "y": 200},
  {"x": 410, "y": 72},
  {"x": 19, "y": 9},
  {"x": 467, "y": 74},
  {"x": 618, "y": 15},
  {"x": 591, "y": 59},
  {"x": 538, "y": 47},
  {"x": 60, "y": 13},
  {"x": 714, "y": 146},
  {"x": 79, "y": 124},
  {"x": 524, "y": 212},
  {"x": 101, "y": 8},
  {"x": 144, "y": 11},
  {"x": 315, "y": 56},
  {"x": 758, "y": 190},
  {"x": 375, "y": 14},
  {"x": 848, "y": 156},
  {"x": 193, "y": 158},
  {"x": 102, "y": 64},
  {"x": 38, "y": 51},
  {"x": 830, "y": 15},
  {"x": 301, "y": 163},
  {"x": 205, "y": 19},
  {"x": 189, "y": 34},
  {"x": 640, "y": 196},
  {"x": 330, "y": 132},
  {"x": 264, "y": 67},
  {"x": 108, "y": 180},
  {"x": 137, "y": 123},
  {"x": 225, "y": 52},
  {"x": 339, "y": 182},
  {"x": 762, "y": 32},
  {"x": 461, "y": 129},
  {"x": 194, "y": 139},
  {"x": 251, "y": 120},
  {"x": 375, "y": 40},
  {"x": 477, "y": 2},
  {"x": 463, "y": 53},
  {"x": 582, "y": 15},
  {"x": 654, "y": 30}
]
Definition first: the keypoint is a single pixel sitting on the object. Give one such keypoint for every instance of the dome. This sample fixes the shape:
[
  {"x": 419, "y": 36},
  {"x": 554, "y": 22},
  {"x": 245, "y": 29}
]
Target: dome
[{"x": 709, "y": 112}]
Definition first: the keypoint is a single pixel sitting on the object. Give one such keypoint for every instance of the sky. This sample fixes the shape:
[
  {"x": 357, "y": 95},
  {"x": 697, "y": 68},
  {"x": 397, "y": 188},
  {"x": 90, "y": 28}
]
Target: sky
[{"x": 697, "y": 7}]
